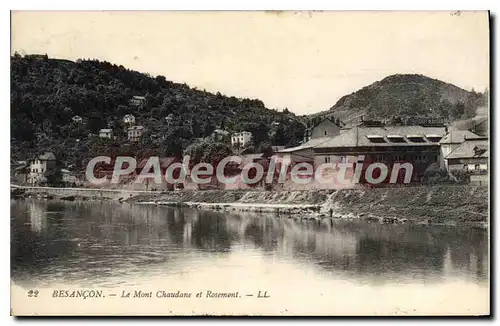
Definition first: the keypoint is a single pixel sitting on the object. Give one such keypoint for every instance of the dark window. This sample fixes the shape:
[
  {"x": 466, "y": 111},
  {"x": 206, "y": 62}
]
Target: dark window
[
  {"x": 397, "y": 139},
  {"x": 377, "y": 140},
  {"x": 417, "y": 139}
]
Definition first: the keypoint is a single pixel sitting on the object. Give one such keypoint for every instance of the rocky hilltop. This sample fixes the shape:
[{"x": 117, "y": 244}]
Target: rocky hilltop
[{"x": 408, "y": 95}]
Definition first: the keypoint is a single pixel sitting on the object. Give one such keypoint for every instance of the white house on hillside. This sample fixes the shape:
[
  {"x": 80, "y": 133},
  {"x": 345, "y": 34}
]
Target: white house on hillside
[
  {"x": 129, "y": 119},
  {"x": 106, "y": 133},
  {"x": 241, "y": 138},
  {"x": 137, "y": 101},
  {"x": 169, "y": 119},
  {"x": 39, "y": 166},
  {"x": 77, "y": 119},
  {"x": 134, "y": 133}
]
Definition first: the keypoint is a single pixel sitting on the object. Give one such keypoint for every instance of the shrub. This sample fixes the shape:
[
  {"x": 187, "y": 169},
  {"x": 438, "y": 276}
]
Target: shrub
[
  {"x": 436, "y": 177},
  {"x": 462, "y": 176},
  {"x": 443, "y": 177}
]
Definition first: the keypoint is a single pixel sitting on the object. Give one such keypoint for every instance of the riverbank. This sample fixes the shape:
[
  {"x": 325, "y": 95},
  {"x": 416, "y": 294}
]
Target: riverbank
[
  {"x": 458, "y": 204},
  {"x": 75, "y": 193},
  {"x": 464, "y": 204}
]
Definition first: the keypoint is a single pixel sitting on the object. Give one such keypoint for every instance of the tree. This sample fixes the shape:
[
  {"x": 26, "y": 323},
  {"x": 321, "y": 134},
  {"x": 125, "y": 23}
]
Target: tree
[
  {"x": 260, "y": 132},
  {"x": 195, "y": 127},
  {"x": 458, "y": 110},
  {"x": 207, "y": 128},
  {"x": 215, "y": 152},
  {"x": 54, "y": 177},
  {"x": 171, "y": 147},
  {"x": 196, "y": 151},
  {"x": 208, "y": 152},
  {"x": 95, "y": 123},
  {"x": 266, "y": 149},
  {"x": 156, "y": 113},
  {"x": 279, "y": 137}
]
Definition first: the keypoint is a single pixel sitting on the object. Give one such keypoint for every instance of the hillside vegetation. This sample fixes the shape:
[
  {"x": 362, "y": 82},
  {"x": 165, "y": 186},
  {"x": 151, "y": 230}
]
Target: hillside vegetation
[
  {"x": 409, "y": 95},
  {"x": 47, "y": 93}
]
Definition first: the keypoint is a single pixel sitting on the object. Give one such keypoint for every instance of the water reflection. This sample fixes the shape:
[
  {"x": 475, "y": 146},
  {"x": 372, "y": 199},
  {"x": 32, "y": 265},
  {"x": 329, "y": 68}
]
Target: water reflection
[{"x": 110, "y": 242}]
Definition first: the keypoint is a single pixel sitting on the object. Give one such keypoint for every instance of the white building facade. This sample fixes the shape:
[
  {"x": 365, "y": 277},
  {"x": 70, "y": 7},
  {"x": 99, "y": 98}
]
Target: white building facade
[
  {"x": 39, "y": 167},
  {"x": 106, "y": 133},
  {"x": 451, "y": 141},
  {"x": 134, "y": 133},
  {"x": 129, "y": 119},
  {"x": 241, "y": 138}
]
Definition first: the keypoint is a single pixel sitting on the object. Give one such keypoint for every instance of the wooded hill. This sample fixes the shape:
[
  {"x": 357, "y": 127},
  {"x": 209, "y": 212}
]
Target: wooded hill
[{"x": 47, "y": 93}]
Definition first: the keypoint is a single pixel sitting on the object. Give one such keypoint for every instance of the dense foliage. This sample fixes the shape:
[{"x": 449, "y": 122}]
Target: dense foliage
[
  {"x": 441, "y": 176},
  {"x": 47, "y": 93}
]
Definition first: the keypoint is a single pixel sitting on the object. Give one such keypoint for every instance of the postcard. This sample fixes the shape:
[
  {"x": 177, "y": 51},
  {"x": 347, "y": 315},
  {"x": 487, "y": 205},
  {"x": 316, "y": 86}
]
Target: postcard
[{"x": 250, "y": 163}]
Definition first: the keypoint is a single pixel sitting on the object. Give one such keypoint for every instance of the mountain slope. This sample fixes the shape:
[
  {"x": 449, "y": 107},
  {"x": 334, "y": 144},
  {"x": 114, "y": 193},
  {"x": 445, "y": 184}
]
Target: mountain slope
[
  {"x": 47, "y": 93},
  {"x": 408, "y": 95}
]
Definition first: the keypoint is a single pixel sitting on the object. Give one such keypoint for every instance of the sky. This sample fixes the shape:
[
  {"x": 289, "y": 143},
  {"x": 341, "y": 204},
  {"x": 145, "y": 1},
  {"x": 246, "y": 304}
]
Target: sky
[{"x": 304, "y": 61}]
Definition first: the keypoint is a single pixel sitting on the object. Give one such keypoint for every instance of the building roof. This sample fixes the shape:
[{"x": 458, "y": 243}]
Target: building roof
[
  {"x": 221, "y": 132},
  {"x": 277, "y": 148},
  {"x": 47, "y": 156},
  {"x": 138, "y": 97},
  {"x": 136, "y": 128},
  {"x": 21, "y": 168},
  {"x": 309, "y": 144},
  {"x": 242, "y": 132},
  {"x": 105, "y": 130},
  {"x": 363, "y": 136},
  {"x": 251, "y": 158},
  {"x": 128, "y": 116},
  {"x": 467, "y": 149},
  {"x": 458, "y": 136}
]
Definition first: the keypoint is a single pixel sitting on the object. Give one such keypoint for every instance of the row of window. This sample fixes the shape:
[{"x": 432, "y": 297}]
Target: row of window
[
  {"x": 343, "y": 159},
  {"x": 385, "y": 157},
  {"x": 380, "y": 140},
  {"x": 477, "y": 166}
]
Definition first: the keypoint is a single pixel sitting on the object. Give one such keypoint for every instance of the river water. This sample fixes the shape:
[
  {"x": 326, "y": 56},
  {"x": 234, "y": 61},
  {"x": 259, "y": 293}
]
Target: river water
[{"x": 302, "y": 267}]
